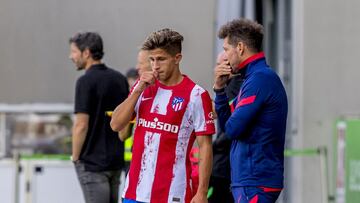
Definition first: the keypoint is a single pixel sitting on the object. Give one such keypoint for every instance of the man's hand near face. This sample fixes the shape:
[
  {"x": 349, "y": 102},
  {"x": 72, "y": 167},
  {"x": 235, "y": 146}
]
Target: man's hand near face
[
  {"x": 147, "y": 78},
  {"x": 222, "y": 74}
]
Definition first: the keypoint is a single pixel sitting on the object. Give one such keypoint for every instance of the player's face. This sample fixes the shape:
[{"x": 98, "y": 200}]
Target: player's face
[
  {"x": 77, "y": 57},
  {"x": 164, "y": 63},
  {"x": 143, "y": 63},
  {"x": 232, "y": 54}
]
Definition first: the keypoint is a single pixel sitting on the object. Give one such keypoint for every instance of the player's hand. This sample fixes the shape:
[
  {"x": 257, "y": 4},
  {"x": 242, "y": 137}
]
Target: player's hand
[
  {"x": 147, "y": 78},
  {"x": 199, "y": 198},
  {"x": 222, "y": 74}
]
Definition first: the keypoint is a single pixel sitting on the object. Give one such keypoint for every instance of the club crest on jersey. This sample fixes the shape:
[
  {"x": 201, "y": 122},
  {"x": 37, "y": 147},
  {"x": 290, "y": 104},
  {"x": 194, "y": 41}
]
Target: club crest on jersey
[{"x": 177, "y": 103}]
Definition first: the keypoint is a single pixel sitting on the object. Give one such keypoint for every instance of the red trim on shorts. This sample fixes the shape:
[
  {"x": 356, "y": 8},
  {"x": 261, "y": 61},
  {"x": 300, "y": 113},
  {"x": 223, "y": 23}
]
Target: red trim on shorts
[
  {"x": 255, "y": 199},
  {"x": 270, "y": 189}
]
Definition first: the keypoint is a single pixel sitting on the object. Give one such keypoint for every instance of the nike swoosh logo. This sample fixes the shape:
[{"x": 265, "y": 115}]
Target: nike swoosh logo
[{"x": 144, "y": 99}]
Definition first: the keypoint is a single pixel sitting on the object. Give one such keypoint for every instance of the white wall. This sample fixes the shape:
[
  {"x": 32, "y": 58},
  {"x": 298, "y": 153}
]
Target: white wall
[
  {"x": 327, "y": 82},
  {"x": 34, "y": 65}
]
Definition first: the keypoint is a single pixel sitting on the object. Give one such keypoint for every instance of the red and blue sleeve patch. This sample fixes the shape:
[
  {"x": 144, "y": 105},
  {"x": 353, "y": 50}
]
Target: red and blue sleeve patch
[{"x": 245, "y": 101}]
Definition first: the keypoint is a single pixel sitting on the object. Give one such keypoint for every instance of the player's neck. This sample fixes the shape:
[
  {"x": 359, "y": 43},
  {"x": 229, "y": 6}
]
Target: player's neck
[{"x": 174, "y": 79}]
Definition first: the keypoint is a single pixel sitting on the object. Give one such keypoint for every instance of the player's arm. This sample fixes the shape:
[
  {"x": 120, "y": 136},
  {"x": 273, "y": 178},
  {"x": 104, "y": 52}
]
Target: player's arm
[
  {"x": 205, "y": 167},
  {"x": 126, "y": 110},
  {"x": 79, "y": 132},
  {"x": 204, "y": 128},
  {"x": 126, "y": 132}
]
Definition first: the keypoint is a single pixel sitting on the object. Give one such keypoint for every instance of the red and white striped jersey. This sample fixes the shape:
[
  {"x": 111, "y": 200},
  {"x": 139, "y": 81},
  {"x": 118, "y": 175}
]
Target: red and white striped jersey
[{"x": 168, "y": 118}]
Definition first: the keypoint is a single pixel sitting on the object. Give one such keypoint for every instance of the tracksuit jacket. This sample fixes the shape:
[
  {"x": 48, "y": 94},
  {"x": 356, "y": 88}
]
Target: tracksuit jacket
[{"x": 256, "y": 126}]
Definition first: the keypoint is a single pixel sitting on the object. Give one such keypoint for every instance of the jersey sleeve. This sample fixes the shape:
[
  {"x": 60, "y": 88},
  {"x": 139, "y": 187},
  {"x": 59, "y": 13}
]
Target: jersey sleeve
[
  {"x": 82, "y": 96},
  {"x": 203, "y": 115},
  {"x": 139, "y": 99},
  {"x": 137, "y": 105},
  {"x": 134, "y": 86}
]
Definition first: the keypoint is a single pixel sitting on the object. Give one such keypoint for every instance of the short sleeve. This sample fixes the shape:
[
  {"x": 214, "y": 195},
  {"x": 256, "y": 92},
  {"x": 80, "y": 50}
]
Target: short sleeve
[
  {"x": 203, "y": 114},
  {"x": 137, "y": 105},
  {"x": 134, "y": 86},
  {"x": 139, "y": 99},
  {"x": 82, "y": 96}
]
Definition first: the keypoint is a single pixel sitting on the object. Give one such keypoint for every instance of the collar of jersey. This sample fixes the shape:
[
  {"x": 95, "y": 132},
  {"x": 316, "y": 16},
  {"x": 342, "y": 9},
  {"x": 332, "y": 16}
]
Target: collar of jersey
[{"x": 180, "y": 85}]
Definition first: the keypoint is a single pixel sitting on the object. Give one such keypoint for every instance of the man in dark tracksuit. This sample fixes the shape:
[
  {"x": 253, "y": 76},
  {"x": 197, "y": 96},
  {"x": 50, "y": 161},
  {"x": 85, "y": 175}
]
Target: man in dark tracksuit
[{"x": 258, "y": 122}]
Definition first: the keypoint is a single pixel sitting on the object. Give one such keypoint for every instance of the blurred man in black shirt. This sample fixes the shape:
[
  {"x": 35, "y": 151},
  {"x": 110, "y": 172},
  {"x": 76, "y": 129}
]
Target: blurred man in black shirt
[{"x": 97, "y": 152}]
